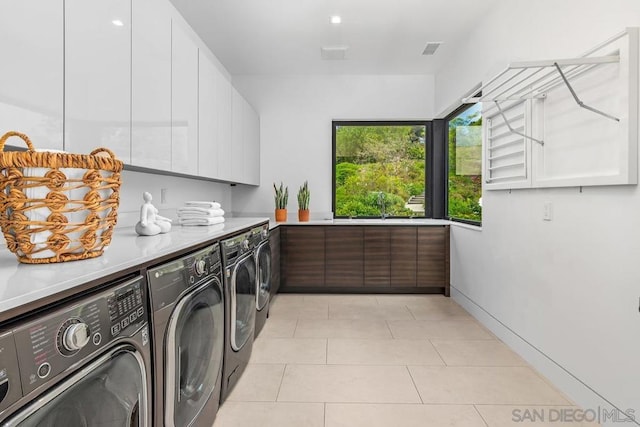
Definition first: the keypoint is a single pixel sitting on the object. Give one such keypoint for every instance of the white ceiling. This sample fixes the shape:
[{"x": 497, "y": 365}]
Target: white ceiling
[{"x": 285, "y": 36}]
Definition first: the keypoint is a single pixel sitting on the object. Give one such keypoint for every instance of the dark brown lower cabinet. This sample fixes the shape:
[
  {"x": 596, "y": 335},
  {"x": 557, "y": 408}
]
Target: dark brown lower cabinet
[
  {"x": 344, "y": 250},
  {"x": 303, "y": 262},
  {"x": 377, "y": 257},
  {"x": 365, "y": 258},
  {"x": 403, "y": 257},
  {"x": 274, "y": 244},
  {"x": 433, "y": 263}
]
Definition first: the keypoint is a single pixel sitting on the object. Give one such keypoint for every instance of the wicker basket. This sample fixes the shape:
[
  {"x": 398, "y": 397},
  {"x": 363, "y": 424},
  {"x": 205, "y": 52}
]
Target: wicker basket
[{"x": 57, "y": 207}]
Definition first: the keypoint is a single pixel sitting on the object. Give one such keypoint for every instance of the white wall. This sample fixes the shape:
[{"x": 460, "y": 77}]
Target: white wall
[
  {"x": 179, "y": 190},
  {"x": 295, "y": 128},
  {"x": 563, "y": 293}
]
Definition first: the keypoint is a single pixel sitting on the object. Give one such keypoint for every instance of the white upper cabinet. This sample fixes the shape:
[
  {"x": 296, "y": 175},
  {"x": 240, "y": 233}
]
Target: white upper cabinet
[
  {"x": 224, "y": 128},
  {"x": 252, "y": 146},
  {"x": 184, "y": 100},
  {"x": 97, "y": 76},
  {"x": 245, "y": 141},
  {"x": 31, "y": 75},
  {"x": 208, "y": 118},
  {"x": 151, "y": 84},
  {"x": 237, "y": 137}
]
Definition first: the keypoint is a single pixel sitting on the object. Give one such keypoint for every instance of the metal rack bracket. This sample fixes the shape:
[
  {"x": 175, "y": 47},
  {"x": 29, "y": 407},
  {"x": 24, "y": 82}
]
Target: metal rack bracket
[
  {"x": 578, "y": 101},
  {"x": 512, "y": 130}
]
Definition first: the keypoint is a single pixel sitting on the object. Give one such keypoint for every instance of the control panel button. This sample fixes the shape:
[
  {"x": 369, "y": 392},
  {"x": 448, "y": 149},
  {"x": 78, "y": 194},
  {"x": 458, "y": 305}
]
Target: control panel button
[
  {"x": 97, "y": 338},
  {"x": 140, "y": 311},
  {"x": 115, "y": 329},
  {"x": 201, "y": 266},
  {"x": 192, "y": 280},
  {"x": 133, "y": 317},
  {"x": 44, "y": 370},
  {"x": 124, "y": 323}
]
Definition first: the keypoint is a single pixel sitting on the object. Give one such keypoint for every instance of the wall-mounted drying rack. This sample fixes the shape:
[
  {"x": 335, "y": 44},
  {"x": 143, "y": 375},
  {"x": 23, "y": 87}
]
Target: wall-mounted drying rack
[
  {"x": 534, "y": 79},
  {"x": 564, "y": 122}
]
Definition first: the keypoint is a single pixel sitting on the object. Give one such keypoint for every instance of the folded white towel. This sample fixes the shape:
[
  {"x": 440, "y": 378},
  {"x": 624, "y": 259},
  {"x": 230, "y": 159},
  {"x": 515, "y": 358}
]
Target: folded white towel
[
  {"x": 199, "y": 212},
  {"x": 201, "y": 221},
  {"x": 203, "y": 204}
]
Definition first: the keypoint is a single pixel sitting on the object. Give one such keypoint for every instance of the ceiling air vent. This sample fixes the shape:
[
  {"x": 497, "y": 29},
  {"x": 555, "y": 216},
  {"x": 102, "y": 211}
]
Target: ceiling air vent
[
  {"x": 431, "y": 48},
  {"x": 333, "y": 52}
]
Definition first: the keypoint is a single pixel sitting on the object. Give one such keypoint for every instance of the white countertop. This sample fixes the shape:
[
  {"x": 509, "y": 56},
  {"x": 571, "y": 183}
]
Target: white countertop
[
  {"x": 22, "y": 284},
  {"x": 368, "y": 221}
]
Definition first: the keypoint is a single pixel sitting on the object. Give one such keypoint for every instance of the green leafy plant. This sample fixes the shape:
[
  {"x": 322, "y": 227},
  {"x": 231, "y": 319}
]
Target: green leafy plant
[
  {"x": 282, "y": 196},
  {"x": 304, "y": 195}
]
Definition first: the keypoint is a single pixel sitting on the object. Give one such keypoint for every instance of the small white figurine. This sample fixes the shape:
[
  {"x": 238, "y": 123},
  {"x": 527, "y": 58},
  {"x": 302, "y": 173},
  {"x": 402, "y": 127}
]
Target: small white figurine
[{"x": 150, "y": 222}]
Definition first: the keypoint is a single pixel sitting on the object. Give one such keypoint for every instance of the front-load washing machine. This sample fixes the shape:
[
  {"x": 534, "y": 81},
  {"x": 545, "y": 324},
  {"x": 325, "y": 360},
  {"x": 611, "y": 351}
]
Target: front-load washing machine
[
  {"x": 85, "y": 363},
  {"x": 260, "y": 239},
  {"x": 240, "y": 307},
  {"x": 187, "y": 299}
]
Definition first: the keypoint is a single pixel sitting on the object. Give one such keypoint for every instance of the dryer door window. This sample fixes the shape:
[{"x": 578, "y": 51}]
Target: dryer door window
[
  {"x": 264, "y": 276},
  {"x": 110, "y": 392},
  {"x": 243, "y": 302},
  {"x": 194, "y": 349}
]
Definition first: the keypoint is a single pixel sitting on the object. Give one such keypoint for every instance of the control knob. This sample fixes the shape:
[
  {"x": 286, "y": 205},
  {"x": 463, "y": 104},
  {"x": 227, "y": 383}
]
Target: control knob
[
  {"x": 245, "y": 244},
  {"x": 201, "y": 266},
  {"x": 265, "y": 233},
  {"x": 76, "y": 336}
]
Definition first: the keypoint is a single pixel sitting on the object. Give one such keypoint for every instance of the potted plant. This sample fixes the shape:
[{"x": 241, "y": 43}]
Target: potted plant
[
  {"x": 281, "y": 199},
  {"x": 303, "y": 202}
]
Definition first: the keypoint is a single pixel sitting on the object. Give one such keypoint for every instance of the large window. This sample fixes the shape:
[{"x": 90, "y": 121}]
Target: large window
[
  {"x": 380, "y": 169},
  {"x": 464, "y": 200}
]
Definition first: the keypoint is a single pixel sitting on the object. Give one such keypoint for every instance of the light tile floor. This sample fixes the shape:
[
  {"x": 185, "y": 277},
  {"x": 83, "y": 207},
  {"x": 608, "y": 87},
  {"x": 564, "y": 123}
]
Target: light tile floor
[{"x": 382, "y": 361}]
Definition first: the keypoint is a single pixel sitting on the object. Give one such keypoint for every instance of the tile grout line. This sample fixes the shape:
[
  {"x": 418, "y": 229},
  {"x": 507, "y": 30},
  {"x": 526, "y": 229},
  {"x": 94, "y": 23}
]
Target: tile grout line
[
  {"x": 284, "y": 371},
  {"x": 436, "y": 350},
  {"x": 324, "y": 414},
  {"x": 414, "y": 383},
  {"x": 386, "y": 322},
  {"x": 480, "y": 414}
]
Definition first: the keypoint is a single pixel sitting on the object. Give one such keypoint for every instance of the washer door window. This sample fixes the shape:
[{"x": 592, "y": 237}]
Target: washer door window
[
  {"x": 194, "y": 353},
  {"x": 109, "y": 392},
  {"x": 243, "y": 301},
  {"x": 264, "y": 275}
]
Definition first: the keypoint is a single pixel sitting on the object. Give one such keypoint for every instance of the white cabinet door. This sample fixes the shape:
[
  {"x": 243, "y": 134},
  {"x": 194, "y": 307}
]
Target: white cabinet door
[
  {"x": 237, "y": 137},
  {"x": 184, "y": 101},
  {"x": 97, "y": 76},
  {"x": 31, "y": 74},
  {"x": 151, "y": 84},
  {"x": 208, "y": 119},
  {"x": 224, "y": 128},
  {"x": 252, "y": 146}
]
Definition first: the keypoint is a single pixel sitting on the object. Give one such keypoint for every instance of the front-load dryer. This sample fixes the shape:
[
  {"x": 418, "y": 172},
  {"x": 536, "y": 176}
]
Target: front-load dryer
[
  {"x": 85, "y": 363},
  {"x": 260, "y": 239},
  {"x": 240, "y": 307},
  {"x": 187, "y": 300}
]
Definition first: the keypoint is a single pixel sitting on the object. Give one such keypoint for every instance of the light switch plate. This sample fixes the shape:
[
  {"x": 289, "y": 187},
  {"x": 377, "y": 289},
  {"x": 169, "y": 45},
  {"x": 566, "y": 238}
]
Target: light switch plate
[{"x": 548, "y": 211}]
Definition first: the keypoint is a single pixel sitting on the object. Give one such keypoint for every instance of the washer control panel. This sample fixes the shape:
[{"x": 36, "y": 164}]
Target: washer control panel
[
  {"x": 169, "y": 281},
  {"x": 51, "y": 344}
]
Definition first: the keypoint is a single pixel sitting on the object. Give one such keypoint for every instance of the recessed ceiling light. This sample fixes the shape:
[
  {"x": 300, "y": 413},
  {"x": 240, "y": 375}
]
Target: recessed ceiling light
[
  {"x": 335, "y": 19},
  {"x": 117, "y": 23}
]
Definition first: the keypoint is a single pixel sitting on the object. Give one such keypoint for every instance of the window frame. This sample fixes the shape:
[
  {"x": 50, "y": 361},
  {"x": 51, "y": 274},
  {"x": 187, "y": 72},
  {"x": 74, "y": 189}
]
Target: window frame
[
  {"x": 428, "y": 163},
  {"x": 455, "y": 113}
]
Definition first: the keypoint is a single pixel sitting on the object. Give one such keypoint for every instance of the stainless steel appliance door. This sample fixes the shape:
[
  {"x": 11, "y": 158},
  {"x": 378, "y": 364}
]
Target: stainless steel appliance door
[
  {"x": 111, "y": 391},
  {"x": 194, "y": 351},
  {"x": 263, "y": 256},
  {"x": 243, "y": 301}
]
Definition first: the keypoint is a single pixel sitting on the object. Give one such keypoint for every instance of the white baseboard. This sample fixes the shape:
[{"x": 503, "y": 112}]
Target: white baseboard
[{"x": 576, "y": 390}]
